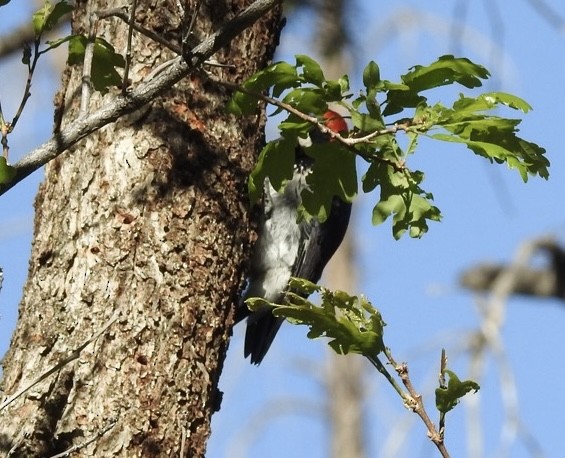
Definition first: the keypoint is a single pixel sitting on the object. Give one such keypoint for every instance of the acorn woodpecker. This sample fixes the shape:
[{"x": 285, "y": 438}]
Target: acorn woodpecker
[{"x": 287, "y": 248}]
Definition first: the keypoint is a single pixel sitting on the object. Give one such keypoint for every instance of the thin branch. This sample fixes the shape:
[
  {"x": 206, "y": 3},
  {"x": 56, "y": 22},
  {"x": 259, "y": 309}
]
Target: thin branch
[
  {"x": 77, "y": 447},
  {"x": 442, "y": 384},
  {"x": 15, "y": 40},
  {"x": 417, "y": 405},
  {"x": 182, "y": 441},
  {"x": 4, "y": 131},
  {"x": 87, "y": 65},
  {"x": 60, "y": 364},
  {"x": 131, "y": 22},
  {"x": 121, "y": 13},
  {"x": 27, "y": 89},
  {"x": 140, "y": 96},
  {"x": 349, "y": 142},
  {"x": 188, "y": 40},
  {"x": 375, "y": 361}
]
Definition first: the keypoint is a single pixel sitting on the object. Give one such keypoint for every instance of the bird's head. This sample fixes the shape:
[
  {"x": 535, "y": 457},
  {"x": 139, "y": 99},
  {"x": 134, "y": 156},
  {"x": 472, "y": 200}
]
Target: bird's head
[{"x": 333, "y": 121}]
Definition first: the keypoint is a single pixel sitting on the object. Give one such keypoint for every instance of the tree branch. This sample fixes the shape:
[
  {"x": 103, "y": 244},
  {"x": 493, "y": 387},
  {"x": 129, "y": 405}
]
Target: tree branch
[
  {"x": 538, "y": 282},
  {"x": 348, "y": 142},
  {"x": 140, "y": 96},
  {"x": 15, "y": 40},
  {"x": 414, "y": 402},
  {"x": 60, "y": 364}
]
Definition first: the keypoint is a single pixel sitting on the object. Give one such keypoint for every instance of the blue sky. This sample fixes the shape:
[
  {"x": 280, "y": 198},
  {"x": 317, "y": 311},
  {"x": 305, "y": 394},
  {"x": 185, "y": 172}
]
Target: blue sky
[{"x": 276, "y": 410}]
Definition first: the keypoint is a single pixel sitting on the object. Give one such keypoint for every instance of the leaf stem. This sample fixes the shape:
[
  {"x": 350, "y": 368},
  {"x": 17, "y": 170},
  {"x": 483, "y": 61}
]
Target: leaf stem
[
  {"x": 27, "y": 89},
  {"x": 375, "y": 361},
  {"x": 417, "y": 405},
  {"x": 131, "y": 22}
]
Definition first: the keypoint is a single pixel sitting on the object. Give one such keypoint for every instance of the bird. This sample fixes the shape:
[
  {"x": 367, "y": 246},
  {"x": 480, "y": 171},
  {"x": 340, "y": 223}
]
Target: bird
[{"x": 289, "y": 248}]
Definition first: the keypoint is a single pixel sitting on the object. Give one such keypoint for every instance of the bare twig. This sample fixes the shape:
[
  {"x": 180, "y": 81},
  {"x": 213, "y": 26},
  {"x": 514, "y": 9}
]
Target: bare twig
[
  {"x": 121, "y": 13},
  {"x": 128, "y": 48},
  {"x": 375, "y": 361},
  {"x": 182, "y": 440},
  {"x": 77, "y": 447},
  {"x": 411, "y": 399},
  {"x": 87, "y": 64},
  {"x": 59, "y": 365},
  {"x": 442, "y": 384},
  {"x": 531, "y": 281},
  {"x": 7, "y": 127},
  {"x": 188, "y": 41},
  {"x": 140, "y": 96},
  {"x": 27, "y": 90},
  {"x": 416, "y": 404},
  {"x": 4, "y": 131}
]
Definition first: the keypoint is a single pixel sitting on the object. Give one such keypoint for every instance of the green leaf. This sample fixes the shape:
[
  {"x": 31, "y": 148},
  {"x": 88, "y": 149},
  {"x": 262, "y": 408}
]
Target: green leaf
[
  {"x": 333, "y": 174},
  {"x": 311, "y": 70},
  {"x": 104, "y": 62},
  {"x": 445, "y": 71},
  {"x": 366, "y": 123},
  {"x": 276, "y": 162},
  {"x": 351, "y": 322},
  {"x": 7, "y": 172},
  {"x": 448, "y": 397},
  {"x": 56, "y": 43},
  {"x": 495, "y": 139},
  {"x": 4, "y": 2},
  {"x": 279, "y": 76},
  {"x": 490, "y": 100},
  {"x": 335, "y": 89},
  {"x": 402, "y": 198},
  {"x": 371, "y": 76},
  {"x": 344, "y": 83},
  {"x": 39, "y": 17},
  {"x": 307, "y": 100},
  {"x": 46, "y": 18}
]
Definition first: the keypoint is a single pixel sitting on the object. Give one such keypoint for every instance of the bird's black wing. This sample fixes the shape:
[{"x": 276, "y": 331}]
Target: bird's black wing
[
  {"x": 321, "y": 240},
  {"x": 319, "y": 243}
]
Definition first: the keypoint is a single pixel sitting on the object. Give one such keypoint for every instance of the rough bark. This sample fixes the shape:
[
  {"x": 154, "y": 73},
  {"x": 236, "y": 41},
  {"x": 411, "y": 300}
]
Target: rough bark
[{"x": 145, "y": 221}]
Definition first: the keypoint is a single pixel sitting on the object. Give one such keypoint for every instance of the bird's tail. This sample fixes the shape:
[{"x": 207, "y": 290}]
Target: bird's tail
[{"x": 262, "y": 326}]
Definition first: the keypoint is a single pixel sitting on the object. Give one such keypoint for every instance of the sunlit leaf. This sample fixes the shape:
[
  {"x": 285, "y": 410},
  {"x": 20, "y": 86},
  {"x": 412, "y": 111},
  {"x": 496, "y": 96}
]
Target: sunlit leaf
[
  {"x": 7, "y": 172},
  {"x": 448, "y": 397},
  {"x": 275, "y": 162},
  {"x": 311, "y": 70},
  {"x": 446, "y": 70},
  {"x": 351, "y": 323},
  {"x": 104, "y": 62},
  {"x": 47, "y": 17},
  {"x": 333, "y": 174}
]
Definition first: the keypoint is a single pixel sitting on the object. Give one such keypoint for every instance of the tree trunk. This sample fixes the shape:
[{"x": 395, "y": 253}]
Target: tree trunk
[
  {"x": 145, "y": 222},
  {"x": 344, "y": 379}
]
